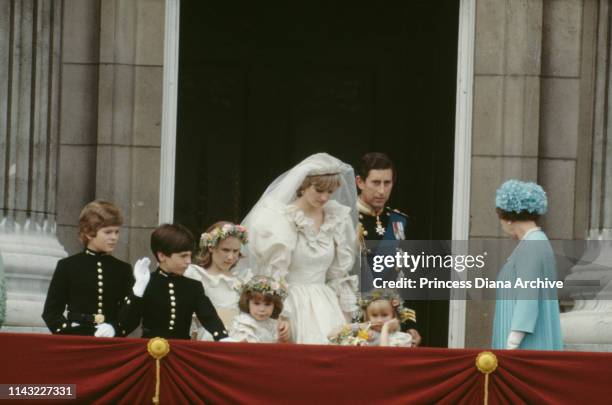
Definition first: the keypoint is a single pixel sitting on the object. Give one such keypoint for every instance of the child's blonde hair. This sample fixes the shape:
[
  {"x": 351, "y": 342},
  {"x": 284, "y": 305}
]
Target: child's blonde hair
[
  {"x": 204, "y": 256},
  {"x": 399, "y": 311}
]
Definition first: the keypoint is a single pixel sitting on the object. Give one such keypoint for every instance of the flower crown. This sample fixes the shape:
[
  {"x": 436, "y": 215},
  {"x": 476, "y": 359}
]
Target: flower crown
[
  {"x": 517, "y": 196},
  {"x": 217, "y": 234},
  {"x": 403, "y": 313},
  {"x": 266, "y": 286}
]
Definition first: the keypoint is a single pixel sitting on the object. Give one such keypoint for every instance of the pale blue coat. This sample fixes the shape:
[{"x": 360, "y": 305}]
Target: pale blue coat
[{"x": 534, "y": 311}]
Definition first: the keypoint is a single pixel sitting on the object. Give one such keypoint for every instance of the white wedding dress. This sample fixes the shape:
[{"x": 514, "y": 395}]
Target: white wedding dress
[{"x": 316, "y": 265}]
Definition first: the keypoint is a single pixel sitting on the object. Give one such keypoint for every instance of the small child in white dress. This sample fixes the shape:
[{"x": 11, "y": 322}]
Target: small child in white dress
[
  {"x": 261, "y": 302},
  {"x": 383, "y": 312}
]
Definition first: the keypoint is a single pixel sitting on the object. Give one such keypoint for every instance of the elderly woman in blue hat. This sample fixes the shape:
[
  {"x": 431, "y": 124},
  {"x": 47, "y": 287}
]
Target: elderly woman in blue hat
[{"x": 526, "y": 317}]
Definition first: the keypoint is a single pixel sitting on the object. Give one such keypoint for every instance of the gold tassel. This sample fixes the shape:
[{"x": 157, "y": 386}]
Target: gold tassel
[
  {"x": 157, "y": 348},
  {"x": 486, "y": 363}
]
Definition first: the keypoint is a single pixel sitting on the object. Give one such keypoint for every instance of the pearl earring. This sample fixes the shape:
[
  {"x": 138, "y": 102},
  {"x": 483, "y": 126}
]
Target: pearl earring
[{"x": 509, "y": 222}]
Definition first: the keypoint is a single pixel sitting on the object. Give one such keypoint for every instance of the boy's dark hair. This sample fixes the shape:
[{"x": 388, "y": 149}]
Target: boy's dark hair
[
  {"x": 375, "y": 161},
  {"x": 171, "y": 238}
]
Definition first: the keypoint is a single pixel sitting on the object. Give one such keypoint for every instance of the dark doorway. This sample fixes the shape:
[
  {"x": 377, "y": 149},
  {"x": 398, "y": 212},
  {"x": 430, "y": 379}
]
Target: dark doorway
[{"x": 264, "y": 84}]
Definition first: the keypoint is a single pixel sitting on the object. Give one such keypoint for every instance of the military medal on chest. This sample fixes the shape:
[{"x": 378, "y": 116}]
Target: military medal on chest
[{"x": 379, "y": 228}]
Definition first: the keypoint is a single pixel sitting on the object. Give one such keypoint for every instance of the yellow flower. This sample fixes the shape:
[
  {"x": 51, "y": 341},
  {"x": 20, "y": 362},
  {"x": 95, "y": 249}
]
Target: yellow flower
[{"x": 363, "y": 334}]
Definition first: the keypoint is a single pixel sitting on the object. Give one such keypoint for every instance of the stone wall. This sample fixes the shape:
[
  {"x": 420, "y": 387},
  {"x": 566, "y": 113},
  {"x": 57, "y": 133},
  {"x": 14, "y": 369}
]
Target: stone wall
[
  {"x": 532, "y": 96},
  {"x": 111, "y": 115}
]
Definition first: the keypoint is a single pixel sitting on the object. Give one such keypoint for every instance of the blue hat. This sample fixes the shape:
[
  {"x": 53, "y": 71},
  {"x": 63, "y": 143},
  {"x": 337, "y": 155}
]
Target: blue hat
[{"x": 517, "y": 196}]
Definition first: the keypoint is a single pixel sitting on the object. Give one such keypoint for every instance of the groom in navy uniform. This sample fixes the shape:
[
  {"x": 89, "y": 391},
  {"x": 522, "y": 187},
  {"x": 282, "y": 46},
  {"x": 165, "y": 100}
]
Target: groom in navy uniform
[{"x": 377, "y": 222}]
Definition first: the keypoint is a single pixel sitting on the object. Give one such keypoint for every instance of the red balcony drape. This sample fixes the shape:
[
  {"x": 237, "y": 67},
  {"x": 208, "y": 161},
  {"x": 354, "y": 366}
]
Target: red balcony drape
[{"x": 122, "y": 371}]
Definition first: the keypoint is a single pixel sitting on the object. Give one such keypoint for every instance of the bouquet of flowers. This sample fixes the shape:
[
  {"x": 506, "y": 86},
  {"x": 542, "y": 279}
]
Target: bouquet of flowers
[{"x": 353, "y": 335}]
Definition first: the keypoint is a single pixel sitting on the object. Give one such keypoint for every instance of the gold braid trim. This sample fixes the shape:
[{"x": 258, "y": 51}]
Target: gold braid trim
[
  {"x": 157, "y": 348},
  {"x": 486, "y": 363}
]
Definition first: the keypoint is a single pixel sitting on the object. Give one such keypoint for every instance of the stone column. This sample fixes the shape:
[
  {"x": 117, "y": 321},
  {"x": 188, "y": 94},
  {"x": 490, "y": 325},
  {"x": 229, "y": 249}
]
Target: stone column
[
  {"x": 505, "y": 138},
  {"x": 30, "y": 48},
  {"x": 129, "y": 117},
  {"x": 588, "y": 326},
  {"x": 2, "y": 293}
]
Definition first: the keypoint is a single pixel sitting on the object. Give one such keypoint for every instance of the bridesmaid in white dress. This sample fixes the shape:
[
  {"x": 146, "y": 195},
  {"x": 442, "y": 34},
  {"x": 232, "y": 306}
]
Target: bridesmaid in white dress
[
  {"x": 216, "y": 268},
  {"x": 261, "y": 303},
  {"x": 302, "y": 235}
]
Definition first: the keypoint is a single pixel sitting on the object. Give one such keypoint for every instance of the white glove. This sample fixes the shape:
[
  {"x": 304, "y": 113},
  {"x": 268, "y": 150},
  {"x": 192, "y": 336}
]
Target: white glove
[
  {"x": 142, "y": 276},
  {"x": 514, "y": 339},
  {"x": 105, "y": 330},
  {"x": 74, "y": 324}
]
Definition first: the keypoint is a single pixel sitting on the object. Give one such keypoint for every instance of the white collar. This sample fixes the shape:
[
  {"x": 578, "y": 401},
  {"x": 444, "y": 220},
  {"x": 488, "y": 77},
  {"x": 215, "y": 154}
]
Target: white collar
[{"x": 365, "y": 208}]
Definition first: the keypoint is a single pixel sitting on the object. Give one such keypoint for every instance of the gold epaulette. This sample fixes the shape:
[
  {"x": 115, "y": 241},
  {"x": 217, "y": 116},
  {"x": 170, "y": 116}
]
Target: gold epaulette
[
  {"x": 408, "y": 314},
  {"x": 361, "y": 236}
]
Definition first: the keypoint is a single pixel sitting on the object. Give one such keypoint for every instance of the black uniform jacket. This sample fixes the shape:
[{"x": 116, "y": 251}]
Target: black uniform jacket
[
  {"x": 167, "y": 307},
  {"x": 87, "y": 284}
]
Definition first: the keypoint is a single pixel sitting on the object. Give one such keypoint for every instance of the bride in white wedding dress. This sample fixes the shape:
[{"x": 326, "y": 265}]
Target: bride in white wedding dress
[{"x": 303, "y": 231}]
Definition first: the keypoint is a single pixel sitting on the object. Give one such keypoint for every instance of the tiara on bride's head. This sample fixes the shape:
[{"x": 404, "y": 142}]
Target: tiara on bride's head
[{"x": 322, "y": 173}]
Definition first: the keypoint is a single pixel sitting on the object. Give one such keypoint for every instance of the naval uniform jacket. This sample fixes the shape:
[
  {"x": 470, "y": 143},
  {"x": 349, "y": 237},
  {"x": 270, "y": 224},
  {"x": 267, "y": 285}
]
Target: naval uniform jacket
[
  {"x": 167, "y": 307},
  {"x": 393, "y": 224},
  {"x": 89, "y": 285}
]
